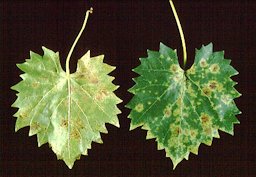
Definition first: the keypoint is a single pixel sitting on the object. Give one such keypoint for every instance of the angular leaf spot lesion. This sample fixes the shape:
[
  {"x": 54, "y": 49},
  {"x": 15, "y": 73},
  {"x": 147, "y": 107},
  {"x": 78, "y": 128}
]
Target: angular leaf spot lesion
[{"x": 139, "y": 107}]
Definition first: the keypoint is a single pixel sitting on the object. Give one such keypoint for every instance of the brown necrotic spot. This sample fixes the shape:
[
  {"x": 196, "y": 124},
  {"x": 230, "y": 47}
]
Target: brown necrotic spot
[
  {"x": 213, "y": 85},
  {"x": 75, "y": 134},
  {"x": 203, "y": 63},
  {"x": 205, "y": 118},
  {"x": 215, "y": 68},
  {"x": 174, "y": 68},
  {"x": 177, "y": 131},
  {"x": 35, "y": 126},
  {"x": 64, "y": 123},
  {"x": 93, "y": 79},
  {"x": 207, "y": 91},
  {"x": 23, "y": 115},
  {"x": 81, "y": 75},
  {"x": 101, "y": 95}
]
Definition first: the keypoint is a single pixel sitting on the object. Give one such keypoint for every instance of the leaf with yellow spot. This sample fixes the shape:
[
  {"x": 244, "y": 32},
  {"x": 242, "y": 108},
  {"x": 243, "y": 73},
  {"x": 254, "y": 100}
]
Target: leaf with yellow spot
[
  {"x": 183, "y": 109},
  {"x": 69, "y": 111}
]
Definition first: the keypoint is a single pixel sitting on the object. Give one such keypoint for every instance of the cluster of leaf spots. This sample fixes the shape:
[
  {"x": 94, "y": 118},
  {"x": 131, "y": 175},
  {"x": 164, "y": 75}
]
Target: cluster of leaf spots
[
  {"x": 183, "y": 109},
  {"x": 68, "y": 112}
]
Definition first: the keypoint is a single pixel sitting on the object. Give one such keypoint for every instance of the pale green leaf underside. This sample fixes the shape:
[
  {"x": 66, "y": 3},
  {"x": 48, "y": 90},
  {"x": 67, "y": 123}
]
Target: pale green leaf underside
[
  {"x": 67, "y": 112},
  {"x": 184, "y": 109}
]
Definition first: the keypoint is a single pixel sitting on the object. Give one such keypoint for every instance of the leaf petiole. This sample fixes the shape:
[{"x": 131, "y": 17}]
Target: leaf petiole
[
  {"x": 76, "y": 40},
  {"x": 181, "y": 33}
]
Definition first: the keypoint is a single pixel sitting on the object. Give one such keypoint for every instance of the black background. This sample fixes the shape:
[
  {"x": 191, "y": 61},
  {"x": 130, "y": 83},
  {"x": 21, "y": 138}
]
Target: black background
[{"x": 123, "y": 31}]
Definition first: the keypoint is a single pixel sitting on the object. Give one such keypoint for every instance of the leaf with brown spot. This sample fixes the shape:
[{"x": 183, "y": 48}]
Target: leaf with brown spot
[
  {"x": 187, "y": 107},
  {"x": 45, "y": 106}
]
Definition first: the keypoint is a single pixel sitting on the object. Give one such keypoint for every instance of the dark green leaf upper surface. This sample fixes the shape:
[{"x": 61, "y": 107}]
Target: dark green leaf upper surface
[
  {"x": 68, "y": 112},
  {"x": 183, "y": 109}
]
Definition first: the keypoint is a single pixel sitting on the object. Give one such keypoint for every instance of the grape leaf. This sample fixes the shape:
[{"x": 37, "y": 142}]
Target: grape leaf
[
  {"x": 67, "y": 112},
  {"x": 183, "y": 109}
]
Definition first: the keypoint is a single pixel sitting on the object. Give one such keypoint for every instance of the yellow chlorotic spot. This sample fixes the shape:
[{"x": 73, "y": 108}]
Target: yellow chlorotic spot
[
  {"x": 79, "y": 124},
  {"x": 168, "y": 58},
  {"x": 176, "y": 112},
  {"x": 194, "y": 133},
  {"x": 167, "y": 112},
  {"x": 149, "y": 102},
  {"x": 207, "y": 91},
  {"x": 226, "y": 99},
  {"x": 214, "y": 68},
  {"x": 161, "y": 56},
  {"x": 179, "y": 101},
  {"x": 35, "y": 84},
  {"x": 190, "y": 91},
  {"x": 191, "y": 70},
  {"x": 184, "y": 115},
  {"x": 174, "y": 68},
  {"x": 203, "y": 63},
  {"x": 185, "y": 139},
  {"x": 220, "y": 87},
  {"x": 208, "y": 130},
  {"x": 139, "y": 107},
  {"x": 178, "y": 77}
]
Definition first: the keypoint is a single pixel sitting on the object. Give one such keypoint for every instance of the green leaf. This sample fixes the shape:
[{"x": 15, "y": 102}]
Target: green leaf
[
  {"x": 183, "y": 109},
  {"x": 68, "y": 112}
]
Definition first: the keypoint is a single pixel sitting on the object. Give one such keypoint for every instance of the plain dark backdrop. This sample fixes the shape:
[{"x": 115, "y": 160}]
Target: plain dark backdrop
[{"x": 123, "y": 31}]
